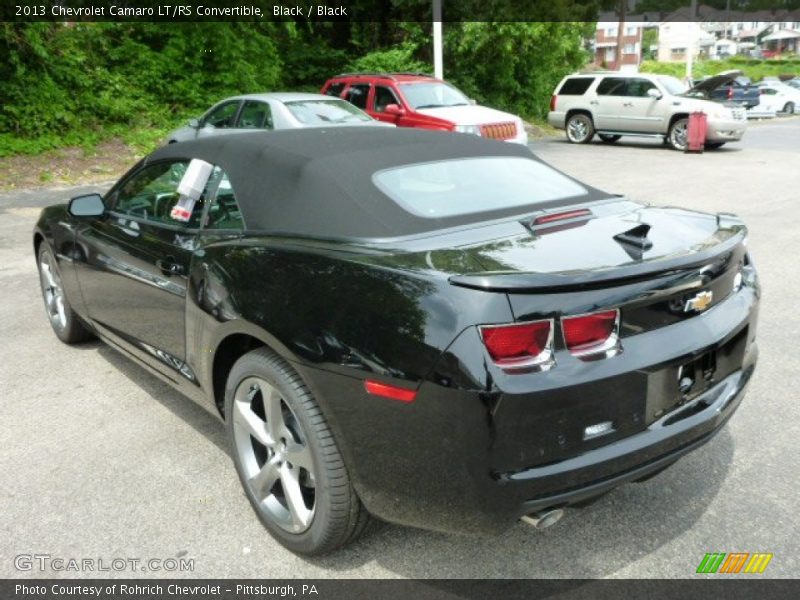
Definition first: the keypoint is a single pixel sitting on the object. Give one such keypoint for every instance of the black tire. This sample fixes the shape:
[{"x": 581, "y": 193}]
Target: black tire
[
  {"x": 579, "y": 128},
  {"x": 336, "y": 516},
  {"x": 679, "y": 134},
  {"x": 789, "y": 108},
  {"x": 609, "y": 139},
  {"x": 66, "y": 324},
  {"x": 714, "y": 145}
]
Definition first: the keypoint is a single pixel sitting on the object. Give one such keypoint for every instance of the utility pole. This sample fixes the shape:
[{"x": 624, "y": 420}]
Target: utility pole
[
  {"x": 438, "y": 69},
  {"x": 623, "y": 5},
  {"x": 690, "y": 42}
]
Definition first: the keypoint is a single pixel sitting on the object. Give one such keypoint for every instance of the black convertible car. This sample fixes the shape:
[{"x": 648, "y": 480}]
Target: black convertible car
[{"x": 435, "y": 329}]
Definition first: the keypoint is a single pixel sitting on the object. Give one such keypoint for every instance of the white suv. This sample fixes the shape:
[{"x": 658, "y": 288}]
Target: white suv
[{"x": 613, "y": 104}]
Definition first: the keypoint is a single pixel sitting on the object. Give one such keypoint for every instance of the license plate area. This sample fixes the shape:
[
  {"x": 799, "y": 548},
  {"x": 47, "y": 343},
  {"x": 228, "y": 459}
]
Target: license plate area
[{"x": 681, "y": 382}]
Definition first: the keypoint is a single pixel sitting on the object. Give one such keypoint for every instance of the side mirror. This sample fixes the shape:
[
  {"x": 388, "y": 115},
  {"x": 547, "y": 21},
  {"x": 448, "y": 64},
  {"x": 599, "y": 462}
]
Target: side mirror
[
  {"x": 194, "y": 123},
  {"x": 88, "y": 205},
  {"x": 654, "y": 93},
  {"x": 394, "y": 109}
]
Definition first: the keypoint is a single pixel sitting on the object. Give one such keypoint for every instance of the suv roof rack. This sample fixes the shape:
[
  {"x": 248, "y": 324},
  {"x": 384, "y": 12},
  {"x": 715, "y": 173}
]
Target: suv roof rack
[{"x": 382, "y": 75}]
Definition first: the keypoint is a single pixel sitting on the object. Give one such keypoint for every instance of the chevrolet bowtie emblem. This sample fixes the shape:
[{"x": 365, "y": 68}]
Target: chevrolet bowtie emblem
[{"x": 698, "y": 302}]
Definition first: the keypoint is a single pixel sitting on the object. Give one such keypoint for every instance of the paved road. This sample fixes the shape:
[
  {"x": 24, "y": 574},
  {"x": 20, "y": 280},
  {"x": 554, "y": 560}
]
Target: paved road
[{"x": 100, "y": 460}]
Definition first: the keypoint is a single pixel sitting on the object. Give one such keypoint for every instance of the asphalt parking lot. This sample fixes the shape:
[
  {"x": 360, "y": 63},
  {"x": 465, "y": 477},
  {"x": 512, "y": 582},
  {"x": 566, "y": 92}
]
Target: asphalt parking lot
[{"x": 101, "y": 460}]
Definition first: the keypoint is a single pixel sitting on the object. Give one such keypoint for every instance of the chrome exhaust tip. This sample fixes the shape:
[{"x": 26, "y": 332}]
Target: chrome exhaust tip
[{"x": 544, "y": 518}]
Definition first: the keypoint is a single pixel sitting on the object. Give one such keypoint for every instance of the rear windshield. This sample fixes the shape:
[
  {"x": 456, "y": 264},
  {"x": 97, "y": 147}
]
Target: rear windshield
[
  {"x": 321, "y": 112},
  {"x": 474, "y": 185},
  {"x": 575, "y": 86}
]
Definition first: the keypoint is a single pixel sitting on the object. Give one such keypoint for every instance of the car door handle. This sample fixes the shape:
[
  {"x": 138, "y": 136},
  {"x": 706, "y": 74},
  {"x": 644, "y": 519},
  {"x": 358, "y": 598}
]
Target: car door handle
[
  {"x": 627, "y": 104},
  {"x": 168, "y": 266},
  {"x": 593, "y": 102}
]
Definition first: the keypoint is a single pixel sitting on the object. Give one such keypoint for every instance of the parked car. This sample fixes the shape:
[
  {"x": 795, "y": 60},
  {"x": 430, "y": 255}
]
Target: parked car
[
  {"x": 613, "y": 104},
  {"x": 421, "y": 101},
  {"x": 767, "y": 108},
  {"x": 438, "y": 330},
  {"x": 795, "y": 83},
  {"x": 277, "y": 110},
  {"x": 737, "y": 90},
  {"x": 785, "y": 96}
]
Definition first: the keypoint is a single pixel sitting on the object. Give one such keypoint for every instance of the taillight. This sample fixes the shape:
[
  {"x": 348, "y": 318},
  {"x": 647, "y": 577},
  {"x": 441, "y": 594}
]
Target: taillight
[
  {"x": 553, "y": 99},
  {"x": 730, "y": 93},
  {"x": 595, "y": 333},
  {"x": 520, "y": 345}
]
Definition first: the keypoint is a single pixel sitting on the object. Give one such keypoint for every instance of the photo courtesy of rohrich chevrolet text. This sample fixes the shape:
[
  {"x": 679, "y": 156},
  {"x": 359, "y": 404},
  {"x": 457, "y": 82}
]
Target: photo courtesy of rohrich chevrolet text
[{"x": 399, "y": 298}]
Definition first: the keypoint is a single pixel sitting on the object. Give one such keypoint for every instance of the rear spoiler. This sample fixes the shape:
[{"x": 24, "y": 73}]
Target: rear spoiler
[{"x": 516, "y": 282}]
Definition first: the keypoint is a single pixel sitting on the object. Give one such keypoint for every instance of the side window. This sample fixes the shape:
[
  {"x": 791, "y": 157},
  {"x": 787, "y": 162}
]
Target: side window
[
  {"x": 638, "y": 87},
  {"x": 152, "y": 192},
  {"x": 357, "y": 95},
  {"x": 769, "y": 91},
  {"x": 255, "y": 115},
  {"x": 575, "y": 86},
  {"x": 222, "y": 116},
  {"x": 383, "y": 98},
  {"x": 335, "y": 89},
  {"x": 611, "y": 86},
  {"x": 223, "y": 212}
]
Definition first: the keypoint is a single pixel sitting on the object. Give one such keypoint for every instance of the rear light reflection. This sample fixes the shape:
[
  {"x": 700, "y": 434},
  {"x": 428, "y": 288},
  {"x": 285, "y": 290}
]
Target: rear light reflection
[
  {"x": 592, "y": 334},
  {"x": 520, "y": 345},
  {"x": 385, "y": 390}
]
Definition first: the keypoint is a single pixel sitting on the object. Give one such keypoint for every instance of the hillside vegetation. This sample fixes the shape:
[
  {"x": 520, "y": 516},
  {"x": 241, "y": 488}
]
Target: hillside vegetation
[{"x": 81, "y": 83}]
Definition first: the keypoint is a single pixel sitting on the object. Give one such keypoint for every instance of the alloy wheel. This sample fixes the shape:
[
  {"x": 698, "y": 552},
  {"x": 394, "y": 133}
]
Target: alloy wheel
[
  {"x": 579, "y": 129},
  {"x": 679, "y": 135},
  {"x": 53, "y": 292},
  {"x": 274, "y": 454}
]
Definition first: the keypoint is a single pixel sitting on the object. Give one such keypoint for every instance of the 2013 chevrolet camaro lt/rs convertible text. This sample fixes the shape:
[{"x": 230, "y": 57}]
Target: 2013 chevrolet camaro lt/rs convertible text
[{"x": 432, "y": 328}]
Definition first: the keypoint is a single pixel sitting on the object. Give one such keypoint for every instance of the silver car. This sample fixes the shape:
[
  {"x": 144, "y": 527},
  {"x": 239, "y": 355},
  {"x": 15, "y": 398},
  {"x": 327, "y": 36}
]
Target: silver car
[
  {"x": 279, "y": 110},
  {"x": 613, "y": 104}
]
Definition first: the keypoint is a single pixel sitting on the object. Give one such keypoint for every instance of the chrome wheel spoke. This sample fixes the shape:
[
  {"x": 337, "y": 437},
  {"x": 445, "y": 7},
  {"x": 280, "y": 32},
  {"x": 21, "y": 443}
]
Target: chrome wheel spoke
[
  {"x": 62, "y": 315},
  {"x": 251, "y": 422},
  {"x": 263, "y": 481},
  {"x": 301, "y": 515},
  {"x": 273, "y": 410}
]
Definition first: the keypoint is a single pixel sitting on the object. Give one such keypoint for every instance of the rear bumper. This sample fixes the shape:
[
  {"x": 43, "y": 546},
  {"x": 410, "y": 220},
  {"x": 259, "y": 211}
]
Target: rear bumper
[
  {"x": 462, "y": 460},
  {"x": 556, "y": 119},
  {"x": 643, "y": 454}
]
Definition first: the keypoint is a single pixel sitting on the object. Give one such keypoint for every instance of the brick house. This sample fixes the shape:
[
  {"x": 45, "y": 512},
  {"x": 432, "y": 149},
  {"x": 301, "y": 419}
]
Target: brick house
[{"x": 605, "y": 45}]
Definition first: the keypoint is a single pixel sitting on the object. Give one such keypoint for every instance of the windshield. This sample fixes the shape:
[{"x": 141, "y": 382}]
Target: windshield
[
  {"x": 321, "y": 112},
  {"x": 474, "y": 185},
  {"x": 432, "y": 95},
  {"x": 673, "y": 85}
]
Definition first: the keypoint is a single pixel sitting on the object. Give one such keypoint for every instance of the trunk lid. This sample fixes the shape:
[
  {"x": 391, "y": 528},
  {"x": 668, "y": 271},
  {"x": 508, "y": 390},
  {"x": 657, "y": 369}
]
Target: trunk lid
[{"x": 618, "y": 242}]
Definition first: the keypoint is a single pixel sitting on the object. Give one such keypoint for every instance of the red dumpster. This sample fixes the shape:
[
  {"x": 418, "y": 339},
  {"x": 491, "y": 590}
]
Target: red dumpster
[{"x": 696, "y": 132}]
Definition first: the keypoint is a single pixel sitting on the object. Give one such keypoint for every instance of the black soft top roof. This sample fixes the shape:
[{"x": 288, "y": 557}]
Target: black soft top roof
[{"x": 318, "y": 182}]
